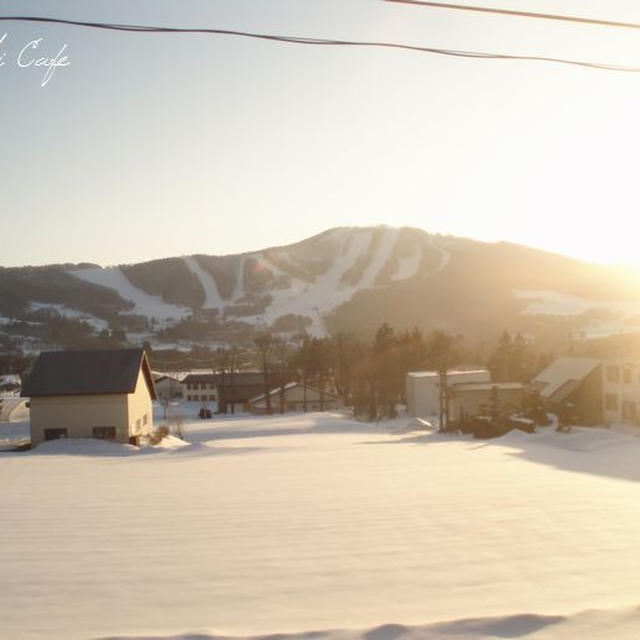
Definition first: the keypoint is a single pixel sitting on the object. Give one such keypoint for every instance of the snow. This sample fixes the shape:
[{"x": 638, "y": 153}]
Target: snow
[
  {"x": 407, "y": 267},
  {"x": 327, "y": 292},
  {"x": 556, "y": 303},
  {"x": 213, "y": 299},
  {"x": 67, "y": 312},
  {"x": 145, "y": 304},
  {"x": 317, "y": 523}
]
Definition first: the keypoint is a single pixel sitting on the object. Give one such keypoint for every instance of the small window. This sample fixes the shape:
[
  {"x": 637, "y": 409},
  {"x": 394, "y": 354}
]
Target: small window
[
  {"x": 613, "y": 374},
  {"x": 138, "y": 424},
  {"x": 627, "y": 375},
  {"x": 145, "y": 419},
  {"x": 104, "y": 433},
  {"x": 611, "y": 401}
]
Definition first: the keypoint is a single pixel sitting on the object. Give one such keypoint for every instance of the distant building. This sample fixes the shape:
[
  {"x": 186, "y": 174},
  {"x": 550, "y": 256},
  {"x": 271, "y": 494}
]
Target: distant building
[
  {"x": 199, "y": 387},
  {"x": 99, "y": 394},
  {"x": 168, "y": 387},
  {"x": 422, "y": 388},
  {"x": 474, "y": 398},
  {"x": 621, "y": 391},
  {"x": 237, "y": 388},
  {"x": 572, "y": 387},
  {"x": 295, "y": 396}
]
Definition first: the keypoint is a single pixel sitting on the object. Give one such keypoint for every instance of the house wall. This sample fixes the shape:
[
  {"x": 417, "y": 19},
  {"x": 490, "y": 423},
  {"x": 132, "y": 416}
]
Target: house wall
[
  {"x": 422, "y": 389},
  {"x": 471, "y": 402},
  {"x": 140, "y": 409},
  {"x": 588, "y": 399},
  {"x": 199, "y": 391},
  {"x": 79, "y": 414},
  {"x": 621, "y": 392}
]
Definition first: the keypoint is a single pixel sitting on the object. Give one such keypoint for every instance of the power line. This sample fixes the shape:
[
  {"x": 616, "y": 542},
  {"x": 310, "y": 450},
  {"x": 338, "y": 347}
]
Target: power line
[
  {"x": 327, "y": 42},
  {"x": 521, "y": 14}
]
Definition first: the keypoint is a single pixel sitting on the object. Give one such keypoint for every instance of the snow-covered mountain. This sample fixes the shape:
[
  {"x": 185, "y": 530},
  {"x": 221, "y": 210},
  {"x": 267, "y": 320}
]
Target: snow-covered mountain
[
  {"x": 306, "y": 280},
  {"x": 347, "y": 278}
]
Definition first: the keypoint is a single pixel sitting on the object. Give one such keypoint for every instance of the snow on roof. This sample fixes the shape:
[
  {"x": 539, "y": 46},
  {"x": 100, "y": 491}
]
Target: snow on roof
[
  {"x": 291, "y": 385},
  {"x": 451, "y": 372},
  {"x": 561, "y": 371},
  {"x": 487, "y": 386}
]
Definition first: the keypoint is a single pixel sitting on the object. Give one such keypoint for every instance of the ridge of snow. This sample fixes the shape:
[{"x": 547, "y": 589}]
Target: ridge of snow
[
  {"x": 212, "y": 297},
  {"x": 144, "y": 304}
]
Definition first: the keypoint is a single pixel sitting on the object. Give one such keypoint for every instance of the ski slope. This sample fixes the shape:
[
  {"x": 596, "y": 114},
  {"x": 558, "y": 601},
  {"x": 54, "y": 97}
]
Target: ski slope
[
  {"x": 315, "y": 523},
  {"x": 144, "y": 303}
]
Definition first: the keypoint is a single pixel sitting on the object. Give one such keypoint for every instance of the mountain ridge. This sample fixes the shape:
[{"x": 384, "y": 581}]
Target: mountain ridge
[{"x": 343, "y": 278}]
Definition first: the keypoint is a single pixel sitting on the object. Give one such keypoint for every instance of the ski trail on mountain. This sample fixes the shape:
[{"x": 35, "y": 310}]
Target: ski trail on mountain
[{"x": 213, "y": 298}]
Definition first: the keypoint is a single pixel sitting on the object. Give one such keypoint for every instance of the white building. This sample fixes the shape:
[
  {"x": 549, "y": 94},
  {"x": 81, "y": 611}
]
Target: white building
[
  {"x": 423, "y": 388},
  {"x": 621, "y": 391}
]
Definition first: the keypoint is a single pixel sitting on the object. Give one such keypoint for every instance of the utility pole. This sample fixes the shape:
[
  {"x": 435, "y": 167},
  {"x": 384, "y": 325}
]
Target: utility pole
[{"x": 443, "y": 397}]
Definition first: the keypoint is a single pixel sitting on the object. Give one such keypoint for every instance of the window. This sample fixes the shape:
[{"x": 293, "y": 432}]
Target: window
[
  {"x": 613, "y": 374},
  {"x": 629, "y": 410},
  {"x": 138, "y": 424},
  {"x": 627, "y": 375},
  {"x": 145, "y": 419},
  {"x": 104, "y": 433},
  {"x": 54, "y": 434},
  {"x": 611, "y": 401}
]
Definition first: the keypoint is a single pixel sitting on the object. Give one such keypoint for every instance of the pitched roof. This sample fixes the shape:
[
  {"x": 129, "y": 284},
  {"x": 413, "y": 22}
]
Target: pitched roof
[
  {"x": 561, "y": 371},
  {"x": 290, "y": 385},
  {"x": 64, "y": 373},
  {"x": 199, "y": 377}
]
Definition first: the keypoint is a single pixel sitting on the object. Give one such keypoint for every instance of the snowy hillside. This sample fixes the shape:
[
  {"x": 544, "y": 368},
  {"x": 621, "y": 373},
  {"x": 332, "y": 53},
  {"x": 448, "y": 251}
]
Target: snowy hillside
[
  {"x": 321, "y": 527},
  {"x": 307, "y": 280},
  {"x": 344, "y": 279}
]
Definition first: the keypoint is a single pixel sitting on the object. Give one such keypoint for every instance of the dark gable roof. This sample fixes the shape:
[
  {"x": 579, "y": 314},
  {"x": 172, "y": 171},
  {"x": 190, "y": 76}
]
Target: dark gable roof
[
  {"x": 65, "y": 373},
  {"x": 199, "y": 377}
]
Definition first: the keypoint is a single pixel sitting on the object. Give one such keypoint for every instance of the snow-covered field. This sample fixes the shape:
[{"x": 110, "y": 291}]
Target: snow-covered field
[{"x": 321, "y": 527}]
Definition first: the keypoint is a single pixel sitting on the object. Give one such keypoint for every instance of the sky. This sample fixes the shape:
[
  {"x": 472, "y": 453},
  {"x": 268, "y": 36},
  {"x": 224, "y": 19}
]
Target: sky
[{"x": 155, "y": 145}]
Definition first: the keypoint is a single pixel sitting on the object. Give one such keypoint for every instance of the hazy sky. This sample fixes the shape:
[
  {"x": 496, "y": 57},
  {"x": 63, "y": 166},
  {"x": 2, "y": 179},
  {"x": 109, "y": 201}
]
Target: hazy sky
[{"x": 154, "y": 145}]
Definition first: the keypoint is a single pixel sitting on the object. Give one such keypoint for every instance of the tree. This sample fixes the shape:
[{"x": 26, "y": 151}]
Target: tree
[{"x": 264, "y": 342}]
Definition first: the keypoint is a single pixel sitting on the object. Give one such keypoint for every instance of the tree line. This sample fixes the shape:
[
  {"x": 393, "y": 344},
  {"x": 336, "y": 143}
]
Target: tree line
[{"x": 370, "y": 374}]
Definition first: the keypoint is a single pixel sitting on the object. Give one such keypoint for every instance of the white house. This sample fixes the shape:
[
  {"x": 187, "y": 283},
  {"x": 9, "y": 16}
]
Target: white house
[
  {"x": 84, "y": 394},
  {"x": 621, "y": 391},
  {"x": 423, "y": 388}
]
